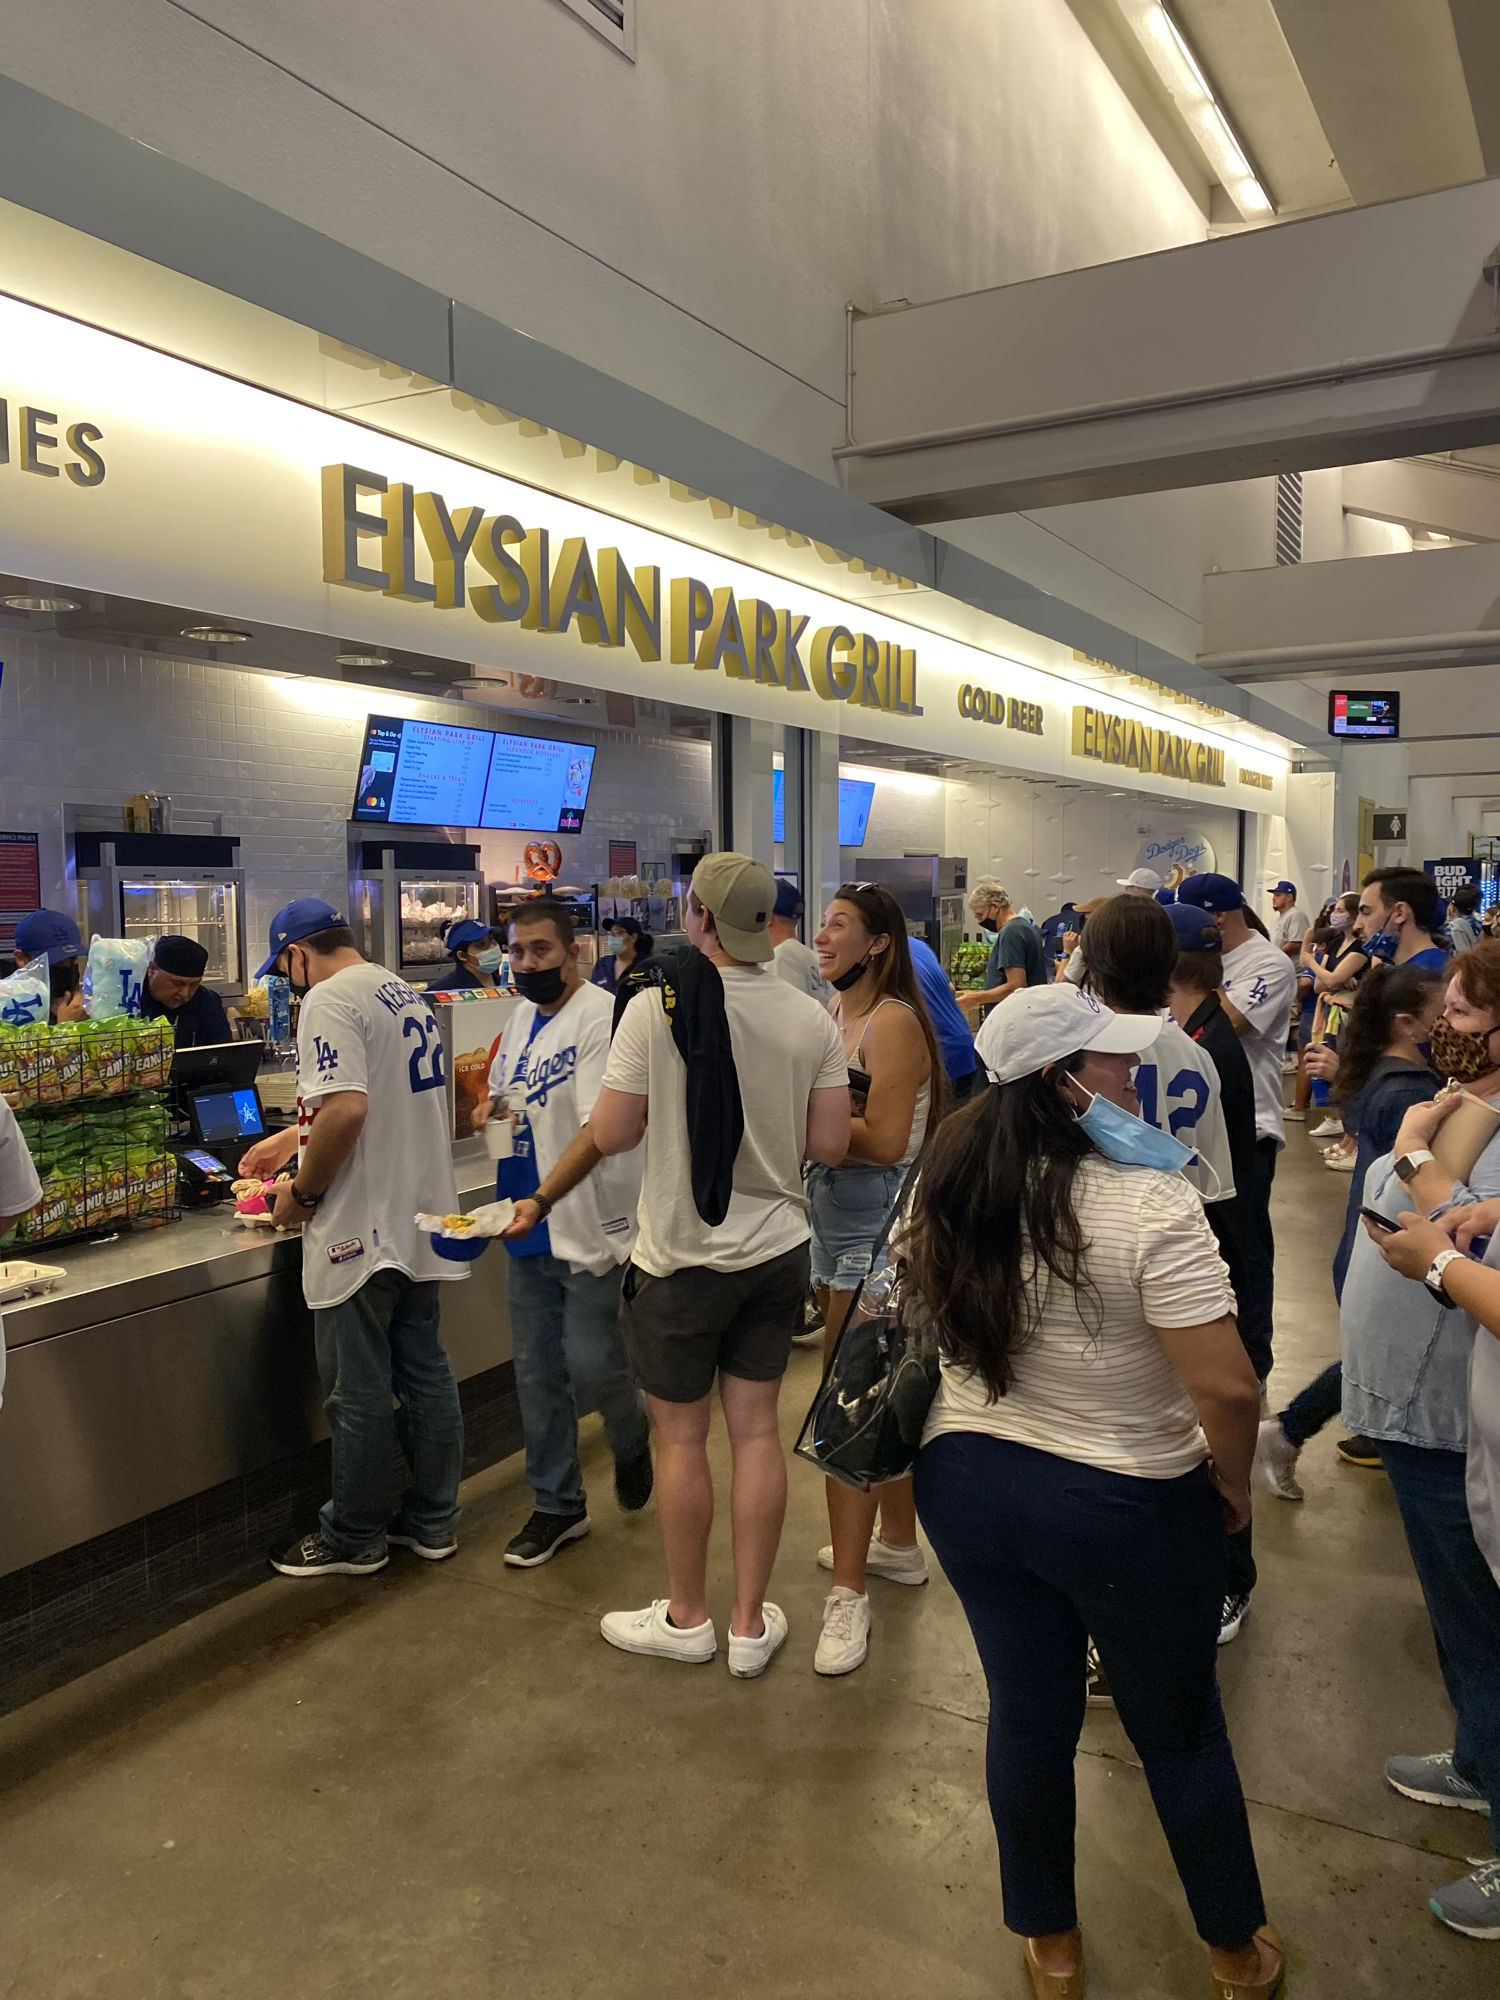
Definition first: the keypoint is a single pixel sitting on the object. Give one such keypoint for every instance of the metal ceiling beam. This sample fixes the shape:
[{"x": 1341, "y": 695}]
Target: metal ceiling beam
[{"x": 1369, "y": 333}]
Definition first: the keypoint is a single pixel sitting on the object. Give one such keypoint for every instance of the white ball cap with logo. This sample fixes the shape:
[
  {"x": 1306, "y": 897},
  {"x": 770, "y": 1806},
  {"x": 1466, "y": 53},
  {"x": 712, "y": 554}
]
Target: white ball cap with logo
[
  {"x": 1141, "y": 878},
  {"x": 1043, "y": 1024}
]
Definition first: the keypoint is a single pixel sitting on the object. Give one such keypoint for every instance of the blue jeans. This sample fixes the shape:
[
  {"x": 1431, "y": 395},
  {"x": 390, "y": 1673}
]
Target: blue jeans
[
  {"x": 1462, "y": 1597},
  {"x": 1042, "y": 1552},
  {"x": 1314, "y": 1406},
  {"x": 383, "y": 1343},
  {"x": 570, "y": 1358}
]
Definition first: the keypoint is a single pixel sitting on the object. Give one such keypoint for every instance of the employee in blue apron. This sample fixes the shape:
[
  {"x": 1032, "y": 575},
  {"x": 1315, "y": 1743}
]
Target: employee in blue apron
[
  {"x": 476, "y": 959},
  {"x": 174, "y": 991}
]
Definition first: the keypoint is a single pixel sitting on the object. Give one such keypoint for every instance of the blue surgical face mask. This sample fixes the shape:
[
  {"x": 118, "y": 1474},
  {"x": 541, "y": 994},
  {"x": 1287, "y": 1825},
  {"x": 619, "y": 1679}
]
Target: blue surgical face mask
[
  {"x": 492, "y": 958},
  {"x": 1121, "y": 1136},
  {"x": 612, "y": 944}
]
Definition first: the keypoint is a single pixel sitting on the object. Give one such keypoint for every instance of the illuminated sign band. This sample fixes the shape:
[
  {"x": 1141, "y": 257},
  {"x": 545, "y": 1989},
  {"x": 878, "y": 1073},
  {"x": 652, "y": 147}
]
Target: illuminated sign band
[
  {"x": 984, "y": 705},
  {"x": 1258, "y": 781},
  {"x": 606, "y": 603},
  {"x": 36, "y": 439},
  {"x": 1136, "y": 746}
]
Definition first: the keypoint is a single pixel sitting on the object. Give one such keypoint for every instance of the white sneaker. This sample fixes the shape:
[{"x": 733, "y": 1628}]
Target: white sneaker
[
  {"x": 1276, "y": 1460},
  {"x": 1340, "y": 1162},
  {"x": 845, "y": 1638},
  {"x": 1331, "y": 1128},
  {"x": 749, "y": 1657},
  {"x": 899, "y": 1565},
  {"x": 1293, "y": 1115},
  {"x": 649, "y": 1632}
]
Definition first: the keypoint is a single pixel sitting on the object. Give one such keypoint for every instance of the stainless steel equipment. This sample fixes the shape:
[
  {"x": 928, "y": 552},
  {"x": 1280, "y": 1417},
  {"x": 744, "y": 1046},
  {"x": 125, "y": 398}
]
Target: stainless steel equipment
[
  {"x": 148, "y": 885},
  {"x": 403, "y": 895},
  {"x": 930, "y": 889}
]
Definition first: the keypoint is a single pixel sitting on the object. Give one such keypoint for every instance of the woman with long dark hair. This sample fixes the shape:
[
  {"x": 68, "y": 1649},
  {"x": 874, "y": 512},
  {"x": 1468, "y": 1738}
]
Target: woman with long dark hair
[
  {"x": 1382, "y": 1072},
  {"x": 1091, "y": 1437},
  {"x": 895, "y": 1082}
]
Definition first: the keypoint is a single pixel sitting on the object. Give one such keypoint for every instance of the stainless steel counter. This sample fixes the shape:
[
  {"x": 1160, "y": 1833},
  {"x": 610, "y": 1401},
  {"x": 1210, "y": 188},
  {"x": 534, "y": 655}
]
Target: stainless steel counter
[{"x": 169, "y": 1361}]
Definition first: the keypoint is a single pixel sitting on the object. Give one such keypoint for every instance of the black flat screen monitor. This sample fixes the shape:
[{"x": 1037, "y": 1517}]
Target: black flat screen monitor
[
  {"x": 1371, "y": 715},
  {"x": 216, "y": 1065},
  {"x": 224, "y": 1119},
  {"x": 441, "y": 774}
]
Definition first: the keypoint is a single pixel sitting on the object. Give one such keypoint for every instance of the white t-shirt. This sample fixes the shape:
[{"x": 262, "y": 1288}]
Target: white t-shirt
[
  {"x": 1096, "y": 1386},
  {"x": 20, "y": 1189},
  {"x": 1260, "y": 981},
  {"x": 1179, "y": 1090},
  {"x": 1288, "y": 926},
  {"x": 560, "y": 1070},
  {"x": 785, "y": 1047},
  {"x": 797, "y": 964},
  {"x": 366, "y": 1030}
]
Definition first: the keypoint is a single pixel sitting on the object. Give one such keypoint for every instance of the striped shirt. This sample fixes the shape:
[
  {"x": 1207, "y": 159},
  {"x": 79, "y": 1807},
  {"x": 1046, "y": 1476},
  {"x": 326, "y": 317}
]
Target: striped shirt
[{"x": 1095, "y": 1384}]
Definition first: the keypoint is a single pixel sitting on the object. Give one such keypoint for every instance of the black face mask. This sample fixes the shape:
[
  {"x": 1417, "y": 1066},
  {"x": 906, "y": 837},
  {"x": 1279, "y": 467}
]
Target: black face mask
[
  {"x": 543, "y": 987},
  {"x": 850, "y": 978},
  {"x": 297, "y": 992},
  {"x": 987, "y": 928}
]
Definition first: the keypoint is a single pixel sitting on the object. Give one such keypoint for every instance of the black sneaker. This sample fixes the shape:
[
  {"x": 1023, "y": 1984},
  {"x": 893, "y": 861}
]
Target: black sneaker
[
  {"x": 634, "y": 1481},
  {"x": 1099, "y": 1695},
  {"x": 400, "y": 1536},
  {"x": 1236, "y": 1609},
  {"x": 313, "y": 1557},
  {"x": 1360, "y": 1451},
  {"x": 542, "y": 1537}
]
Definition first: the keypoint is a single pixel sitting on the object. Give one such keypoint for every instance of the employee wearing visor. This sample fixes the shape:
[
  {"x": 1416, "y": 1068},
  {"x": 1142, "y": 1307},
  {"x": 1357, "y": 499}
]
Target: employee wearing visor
[
  {"x": 51, "y": 936},
  {"x": 476, "y": 959},
  {"x": 174, "y": 992}
]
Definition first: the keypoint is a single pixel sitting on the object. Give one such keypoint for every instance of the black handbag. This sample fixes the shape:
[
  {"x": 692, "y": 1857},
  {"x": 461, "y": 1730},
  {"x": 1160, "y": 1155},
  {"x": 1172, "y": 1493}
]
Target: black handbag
[{"x": 866, "y": 1420}]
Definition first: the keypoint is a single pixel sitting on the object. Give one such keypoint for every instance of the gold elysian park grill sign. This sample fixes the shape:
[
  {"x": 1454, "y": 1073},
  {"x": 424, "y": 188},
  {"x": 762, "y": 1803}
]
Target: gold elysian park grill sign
[
  {"x": 1136, "y": 746},
  {"x": 522, "y": 580}
]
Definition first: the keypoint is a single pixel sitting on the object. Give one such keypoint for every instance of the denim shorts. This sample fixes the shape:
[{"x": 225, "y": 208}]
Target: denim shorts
[{"x": 849, "y": 1206}]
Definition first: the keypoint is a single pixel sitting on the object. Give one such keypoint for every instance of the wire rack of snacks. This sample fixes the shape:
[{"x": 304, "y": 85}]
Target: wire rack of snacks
[{"x": 90, "y": 1098}]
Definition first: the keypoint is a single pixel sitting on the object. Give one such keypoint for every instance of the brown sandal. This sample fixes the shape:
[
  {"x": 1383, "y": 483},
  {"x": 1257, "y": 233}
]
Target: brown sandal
[
  {"x": 1253, "y": 1989},
  {"x": 1055, "y": 1985}
]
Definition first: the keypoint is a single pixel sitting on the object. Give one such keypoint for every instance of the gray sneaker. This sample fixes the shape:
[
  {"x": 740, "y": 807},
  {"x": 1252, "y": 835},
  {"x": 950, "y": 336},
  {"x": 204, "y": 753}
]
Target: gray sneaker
[
  {"x": 1471, "y": 1904},
  {"x": 1432, "y": 1781}
]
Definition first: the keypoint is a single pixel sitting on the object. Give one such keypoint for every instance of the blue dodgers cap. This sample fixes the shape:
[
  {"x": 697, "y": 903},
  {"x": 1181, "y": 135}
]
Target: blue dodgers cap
[
  {"x": 789, "y": 901},
  {"x": 1195, "y": 928},
  {"x": 299, "y": 920},
  {"x": 1166, "y": 895},
  {"x": 1283, "y": 888},
  {"x": 1218, "y": 893},
  {"x": 465, "y": 931},
  {"x": 49, "y": 934}
]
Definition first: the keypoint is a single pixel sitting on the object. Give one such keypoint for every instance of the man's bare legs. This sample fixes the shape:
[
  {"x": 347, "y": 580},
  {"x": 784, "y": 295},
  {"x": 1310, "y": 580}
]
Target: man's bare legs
[
  {"x": 684, "y": 1503},
  {"x": 758, "y": 1499}
]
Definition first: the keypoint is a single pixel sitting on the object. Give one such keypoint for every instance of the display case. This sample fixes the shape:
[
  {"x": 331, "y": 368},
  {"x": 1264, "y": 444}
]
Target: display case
[
  {"x": 150, "y": 885},
  {"x": 403, "y": 895},
  {"x": 930, "y": 889}
]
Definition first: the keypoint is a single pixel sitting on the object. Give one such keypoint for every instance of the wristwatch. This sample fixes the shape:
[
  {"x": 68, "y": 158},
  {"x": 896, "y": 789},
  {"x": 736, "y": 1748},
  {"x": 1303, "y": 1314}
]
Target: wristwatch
[
  {"x": 1407, "y": 1163},
  {"x": 1434, "y": 1278},
  {"x": 542, "y": 1203},
  {"x": 304, "y": 1201}
]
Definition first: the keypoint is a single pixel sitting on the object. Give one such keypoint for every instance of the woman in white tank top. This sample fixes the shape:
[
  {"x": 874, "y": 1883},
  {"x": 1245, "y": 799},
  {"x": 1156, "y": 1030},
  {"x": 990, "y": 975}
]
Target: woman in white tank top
[{"x": 895, "y": 1076}]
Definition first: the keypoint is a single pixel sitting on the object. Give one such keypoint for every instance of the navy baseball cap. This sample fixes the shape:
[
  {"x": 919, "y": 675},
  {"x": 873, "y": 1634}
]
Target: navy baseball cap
[
  {"x": 1166, "y": 895},
  {"x": 49, "y": 934},
  {"x": 1218, "y": 893},
  {"x": 299, "y": 920},
  {"x": 789, "y": 901},
  {"x": 465, "y": 931},
  {"x": 1283, "y": 888},
  {"x": 1195, "y": 928}
]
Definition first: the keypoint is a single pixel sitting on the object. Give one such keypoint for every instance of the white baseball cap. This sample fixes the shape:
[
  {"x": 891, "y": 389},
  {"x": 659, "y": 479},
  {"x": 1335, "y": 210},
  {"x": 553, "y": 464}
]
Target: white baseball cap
[
  {"x": 1042, "y": 1024},
  {"x": 1140, "y": 878}
]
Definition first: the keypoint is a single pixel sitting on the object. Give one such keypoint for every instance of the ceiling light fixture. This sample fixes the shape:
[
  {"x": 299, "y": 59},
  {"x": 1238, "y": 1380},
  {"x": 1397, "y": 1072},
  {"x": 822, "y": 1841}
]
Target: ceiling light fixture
[
  {"x": 215, "y": 635},
  {"x": 1179, "y": 69},
  {"x": 39, "y": 601},
  {"x": 358, "y": 659}
]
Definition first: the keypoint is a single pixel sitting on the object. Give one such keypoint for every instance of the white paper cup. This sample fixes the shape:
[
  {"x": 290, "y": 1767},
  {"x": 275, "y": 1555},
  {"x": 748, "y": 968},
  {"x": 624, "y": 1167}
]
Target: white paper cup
[{"x": 497, "y": 1136}]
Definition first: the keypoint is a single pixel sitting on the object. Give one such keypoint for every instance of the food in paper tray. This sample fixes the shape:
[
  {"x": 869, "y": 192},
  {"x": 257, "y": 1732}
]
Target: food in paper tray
[
  {"x": 461, "y": 1238},
  {"x": 253, "y": 1199}
]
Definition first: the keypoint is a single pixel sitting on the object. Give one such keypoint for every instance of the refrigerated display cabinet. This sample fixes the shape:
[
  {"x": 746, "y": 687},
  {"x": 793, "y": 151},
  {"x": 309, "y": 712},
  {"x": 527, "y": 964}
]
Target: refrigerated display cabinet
[
  {"x": 403, "y": 896},
  {"x": 149, "y": 885}
]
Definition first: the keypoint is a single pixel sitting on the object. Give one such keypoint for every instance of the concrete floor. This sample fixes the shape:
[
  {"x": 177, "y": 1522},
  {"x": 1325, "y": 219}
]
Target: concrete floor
[{"x": 440, "y": 1784}]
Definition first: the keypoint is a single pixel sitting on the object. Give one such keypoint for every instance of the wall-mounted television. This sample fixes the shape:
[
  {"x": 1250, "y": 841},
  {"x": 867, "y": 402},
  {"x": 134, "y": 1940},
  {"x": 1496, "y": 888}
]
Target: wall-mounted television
[
  {"x": 1370, "y": 715},
  {"x": 856, "y": 796},
  {"x": 442, "y": 774}
]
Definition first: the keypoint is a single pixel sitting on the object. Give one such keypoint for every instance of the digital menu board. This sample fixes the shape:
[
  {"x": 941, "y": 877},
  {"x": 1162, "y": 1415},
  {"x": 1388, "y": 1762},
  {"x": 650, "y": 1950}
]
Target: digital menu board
[
  {"x": 1368, "y": 715},
  {"x": 443, "y": 774},
  {"x": 856, "y": 796}
]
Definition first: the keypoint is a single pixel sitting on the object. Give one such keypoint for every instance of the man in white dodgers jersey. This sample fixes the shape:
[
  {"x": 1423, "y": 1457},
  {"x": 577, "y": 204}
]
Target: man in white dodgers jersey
[{"x": 372, "y": 1150}]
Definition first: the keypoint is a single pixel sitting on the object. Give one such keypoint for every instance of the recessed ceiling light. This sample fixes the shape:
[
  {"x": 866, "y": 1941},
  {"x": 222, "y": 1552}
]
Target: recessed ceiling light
[
  {"x": 356, "y": 659},
  {"x": 215, "y": 635},
  {"x": 39, "y": 602}
]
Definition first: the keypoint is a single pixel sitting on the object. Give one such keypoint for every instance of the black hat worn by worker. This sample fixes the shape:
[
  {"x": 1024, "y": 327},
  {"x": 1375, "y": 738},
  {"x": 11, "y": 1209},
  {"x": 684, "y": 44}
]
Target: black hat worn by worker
[{"x": 180, "y": 957}]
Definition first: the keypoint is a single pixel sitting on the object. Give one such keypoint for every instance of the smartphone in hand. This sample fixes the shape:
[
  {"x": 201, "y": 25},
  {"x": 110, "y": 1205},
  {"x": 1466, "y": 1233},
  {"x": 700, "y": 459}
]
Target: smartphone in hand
[{"x": 1381, "y": 1222}]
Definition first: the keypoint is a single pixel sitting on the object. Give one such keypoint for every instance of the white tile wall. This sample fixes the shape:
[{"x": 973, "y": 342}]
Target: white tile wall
[{"x": 277, "y": 759}]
